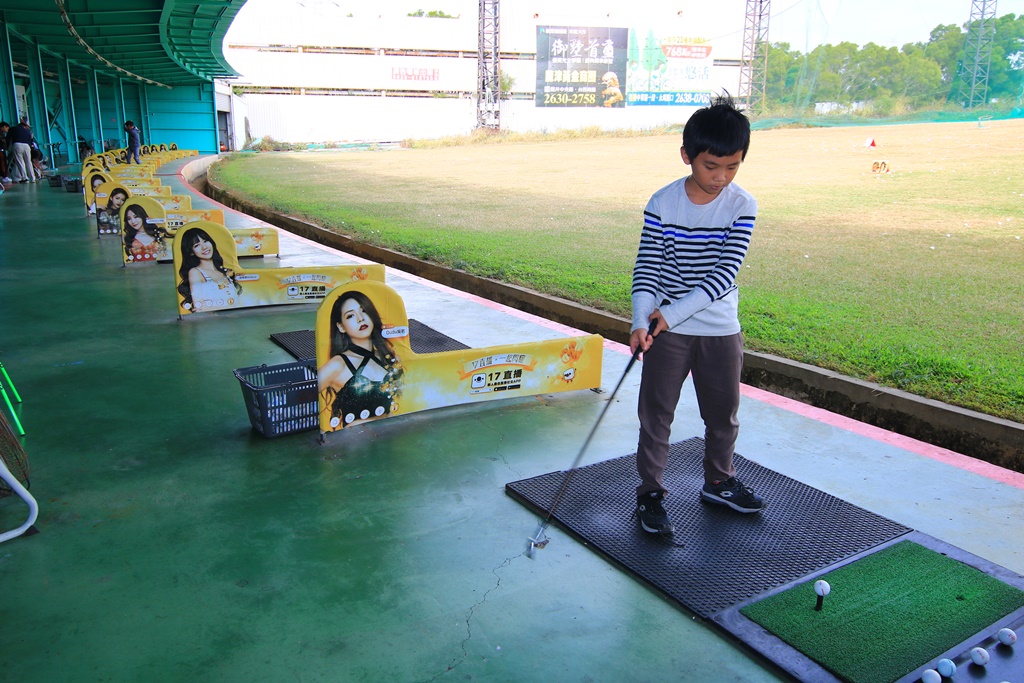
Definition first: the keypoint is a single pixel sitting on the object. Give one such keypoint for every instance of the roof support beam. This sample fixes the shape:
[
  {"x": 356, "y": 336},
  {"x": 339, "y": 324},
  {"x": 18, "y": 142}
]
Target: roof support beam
[
  {"x": 8, "y": 98},
  {"x": 71, "y": 125},
  {"x": 81, "y": 41},
  {"x": 37, "y": 93}
]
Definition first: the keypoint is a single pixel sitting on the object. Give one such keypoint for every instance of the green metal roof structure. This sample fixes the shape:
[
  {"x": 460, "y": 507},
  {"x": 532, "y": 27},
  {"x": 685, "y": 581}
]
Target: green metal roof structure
[
  {"x": 157, "y": 42},
  {"x": 79, "y": 68}
]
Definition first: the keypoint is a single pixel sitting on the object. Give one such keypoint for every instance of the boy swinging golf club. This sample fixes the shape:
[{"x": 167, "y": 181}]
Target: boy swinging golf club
[{"x": 696, "y": 233}]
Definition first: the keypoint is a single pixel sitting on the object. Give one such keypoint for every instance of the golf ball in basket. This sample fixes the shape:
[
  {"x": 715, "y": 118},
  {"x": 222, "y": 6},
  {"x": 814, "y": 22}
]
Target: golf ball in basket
[
  {"x": 822, "y": 588},
  {"x": 931, "y": 676},
  {"x": 1007, "y": 636},
  {"x": 946, "y": 667},
  {"x": 979, "y": 656}
]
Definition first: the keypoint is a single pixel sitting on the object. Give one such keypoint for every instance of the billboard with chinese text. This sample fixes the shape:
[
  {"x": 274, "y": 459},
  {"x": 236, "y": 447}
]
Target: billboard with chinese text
[
  {"x": 668, "y": 70},
  {"x": 615, "y": 67},
  {"x": 580, "y": 66}
]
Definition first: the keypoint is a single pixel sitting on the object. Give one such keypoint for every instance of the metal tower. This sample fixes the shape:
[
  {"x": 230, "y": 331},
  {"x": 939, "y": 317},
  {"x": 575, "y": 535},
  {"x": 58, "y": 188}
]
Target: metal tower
[
  {"x": 981, "y": 34},
  {"x": 754, "y": 66},
  {"x": 488, "y": 68}
]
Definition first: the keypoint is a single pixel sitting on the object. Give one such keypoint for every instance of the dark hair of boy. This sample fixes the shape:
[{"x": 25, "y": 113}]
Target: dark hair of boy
[{"x": 720, "y": 129}]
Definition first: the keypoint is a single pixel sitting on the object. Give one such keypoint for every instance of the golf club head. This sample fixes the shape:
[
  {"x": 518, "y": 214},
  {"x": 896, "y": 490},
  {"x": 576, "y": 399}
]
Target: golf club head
[{"x": 537, "y": 541}]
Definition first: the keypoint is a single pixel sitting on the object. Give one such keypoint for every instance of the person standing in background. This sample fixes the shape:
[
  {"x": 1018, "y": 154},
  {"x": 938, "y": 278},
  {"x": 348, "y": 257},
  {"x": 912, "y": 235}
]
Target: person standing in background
[
  {"x": 134, "y": 142},
  {"x": 20, "y": 140},
  {"x": 4, "y": 175}
]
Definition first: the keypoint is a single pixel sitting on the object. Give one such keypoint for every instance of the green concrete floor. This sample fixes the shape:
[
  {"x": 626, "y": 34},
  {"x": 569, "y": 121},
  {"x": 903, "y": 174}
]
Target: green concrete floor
[{"x": 175, "y": 544}]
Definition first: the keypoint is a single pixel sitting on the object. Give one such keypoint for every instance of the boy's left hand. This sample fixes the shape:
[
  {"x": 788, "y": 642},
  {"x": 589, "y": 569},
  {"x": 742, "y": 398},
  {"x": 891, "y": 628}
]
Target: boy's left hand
[{"x": 658, "y": 323}]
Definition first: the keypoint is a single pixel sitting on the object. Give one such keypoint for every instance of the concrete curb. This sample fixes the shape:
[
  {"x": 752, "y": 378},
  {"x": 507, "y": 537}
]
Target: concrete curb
[{"x": 1000, "y": 442}]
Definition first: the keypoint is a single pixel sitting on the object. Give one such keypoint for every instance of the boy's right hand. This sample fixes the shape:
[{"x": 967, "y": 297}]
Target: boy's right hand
[
  {"x": 638, "y": 340},
  {"x": 643, "y": 339}
]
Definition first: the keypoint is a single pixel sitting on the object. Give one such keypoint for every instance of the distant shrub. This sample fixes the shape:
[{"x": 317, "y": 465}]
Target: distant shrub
[{"x": 269, "y": 144}]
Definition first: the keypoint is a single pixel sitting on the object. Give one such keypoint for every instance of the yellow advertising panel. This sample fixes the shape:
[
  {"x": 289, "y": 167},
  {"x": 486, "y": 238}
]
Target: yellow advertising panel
[
  {"x": 93, "y": 178},
  {"x": 154, "y": 189},
  {"x": 94, "y": 160},
  {"x": 366, "y": 369},
  {"x": 208, "y": 278},
  {"x": 148, "y": 229},
  {"x": 133, "y": 173},
  {"x": 255, "y": 241},
  {"x": 110, "y": 197},
  {"x": 180, "y": 217},
  {"x": 176, "y": 202},
  {"x": 144, "y": 232},
  {"x": 136, "y": 181}
]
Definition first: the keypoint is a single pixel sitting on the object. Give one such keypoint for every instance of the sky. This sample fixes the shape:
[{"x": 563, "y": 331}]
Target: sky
[{"x": 805, "y": 24}]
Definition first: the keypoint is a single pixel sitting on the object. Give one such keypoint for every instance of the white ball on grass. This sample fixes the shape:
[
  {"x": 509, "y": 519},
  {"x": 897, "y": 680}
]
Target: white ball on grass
[{"x": 822, "y": 588}]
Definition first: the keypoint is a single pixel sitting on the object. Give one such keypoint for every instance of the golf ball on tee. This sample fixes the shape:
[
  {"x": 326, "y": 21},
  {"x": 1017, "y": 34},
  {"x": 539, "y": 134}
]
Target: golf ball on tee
[
  {"x": 1007, "y": 636},
  {"x": 946, "y": 667},
  {"x": 931, "y": 676},
  {"x": 822, "y": 588},
  {"x": 979, "y": 656}
]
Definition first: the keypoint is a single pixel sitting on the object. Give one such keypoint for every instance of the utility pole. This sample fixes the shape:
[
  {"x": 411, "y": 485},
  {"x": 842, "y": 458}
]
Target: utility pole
[
  {"x": 754, "y": 63},
  {"x": 981, "y": 34},
  {"x": 488, "y": 82}
]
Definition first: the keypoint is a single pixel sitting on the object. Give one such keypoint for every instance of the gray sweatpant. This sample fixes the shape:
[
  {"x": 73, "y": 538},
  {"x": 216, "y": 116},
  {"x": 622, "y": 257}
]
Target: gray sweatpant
[{"x": 715, "y": 363}]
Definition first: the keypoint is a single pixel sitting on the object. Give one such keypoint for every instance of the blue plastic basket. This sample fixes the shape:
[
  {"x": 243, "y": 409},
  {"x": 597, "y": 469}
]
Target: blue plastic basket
[{"x": 280, "y": 399}]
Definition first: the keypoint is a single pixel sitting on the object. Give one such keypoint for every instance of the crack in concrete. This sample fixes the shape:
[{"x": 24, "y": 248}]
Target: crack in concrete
[
  {"x": 458, "y": 661},
  {"x": 500, "y": 455}
]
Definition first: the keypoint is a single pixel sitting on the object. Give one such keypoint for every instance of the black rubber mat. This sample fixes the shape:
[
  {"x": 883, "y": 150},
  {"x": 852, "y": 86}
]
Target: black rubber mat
[
  {"x": 717, "y": 557},
  {"x": 301, "y": 343},
  {"x": 422, "y": 339}
]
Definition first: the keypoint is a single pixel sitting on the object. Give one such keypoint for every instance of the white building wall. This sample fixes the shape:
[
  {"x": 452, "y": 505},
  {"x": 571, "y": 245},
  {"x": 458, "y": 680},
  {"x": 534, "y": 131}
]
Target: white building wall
[
  {"x": 355, "y": 24},
  {"x": 356, "y": 72},
  {"x": 314, "y": 118}
]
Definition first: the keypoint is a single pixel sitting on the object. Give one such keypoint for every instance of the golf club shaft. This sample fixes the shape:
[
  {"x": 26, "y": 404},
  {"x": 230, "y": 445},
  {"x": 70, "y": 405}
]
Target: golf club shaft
[{"x": 593, "y": 430}]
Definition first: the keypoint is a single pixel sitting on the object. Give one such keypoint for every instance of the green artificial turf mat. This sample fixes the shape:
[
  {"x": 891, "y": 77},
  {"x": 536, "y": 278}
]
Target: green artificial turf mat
[{"x": 888, "y": 613}]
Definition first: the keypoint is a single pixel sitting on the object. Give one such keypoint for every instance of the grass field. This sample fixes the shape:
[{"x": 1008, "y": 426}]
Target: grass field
[{"x": 913, "y": 279}]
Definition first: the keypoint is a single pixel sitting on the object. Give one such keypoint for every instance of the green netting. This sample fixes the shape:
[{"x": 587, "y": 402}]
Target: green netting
[{"x": 828, "y": 121}]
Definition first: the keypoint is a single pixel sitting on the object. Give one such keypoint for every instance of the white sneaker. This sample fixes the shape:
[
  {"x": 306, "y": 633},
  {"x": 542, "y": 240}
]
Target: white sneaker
[{"x": 6, "y": 180}]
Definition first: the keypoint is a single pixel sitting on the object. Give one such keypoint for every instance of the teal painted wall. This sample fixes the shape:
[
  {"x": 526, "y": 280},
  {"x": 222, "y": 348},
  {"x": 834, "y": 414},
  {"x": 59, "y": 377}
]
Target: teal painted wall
[
  {"x": 133, "y": 112},
  {"x": 186, "y": 115}
]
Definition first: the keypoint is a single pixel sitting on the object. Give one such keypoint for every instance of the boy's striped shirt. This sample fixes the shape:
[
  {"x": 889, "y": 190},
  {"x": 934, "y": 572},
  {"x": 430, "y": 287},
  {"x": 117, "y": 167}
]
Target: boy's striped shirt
[{"x": 690, "y": 255}]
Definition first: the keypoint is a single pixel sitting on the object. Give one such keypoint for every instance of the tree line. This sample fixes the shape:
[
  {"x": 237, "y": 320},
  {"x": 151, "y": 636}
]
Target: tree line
[{"x": 891, "y": 81}]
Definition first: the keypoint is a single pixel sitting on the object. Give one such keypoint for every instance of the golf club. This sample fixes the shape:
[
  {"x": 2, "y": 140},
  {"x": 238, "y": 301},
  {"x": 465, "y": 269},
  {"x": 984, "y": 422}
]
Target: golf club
[{"x": 539, "y": 539}]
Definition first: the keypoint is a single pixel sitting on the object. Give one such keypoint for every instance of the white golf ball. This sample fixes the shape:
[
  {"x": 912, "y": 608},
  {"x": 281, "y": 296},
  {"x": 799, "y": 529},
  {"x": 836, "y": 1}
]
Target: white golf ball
[
  {"x": 946, "y": 667},
  {"x": 979, "y": 656},
  {"x": 1007, "y": 636},
  {"x": 931, "y": 676},
  {"x": 822, "y": 588}
]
